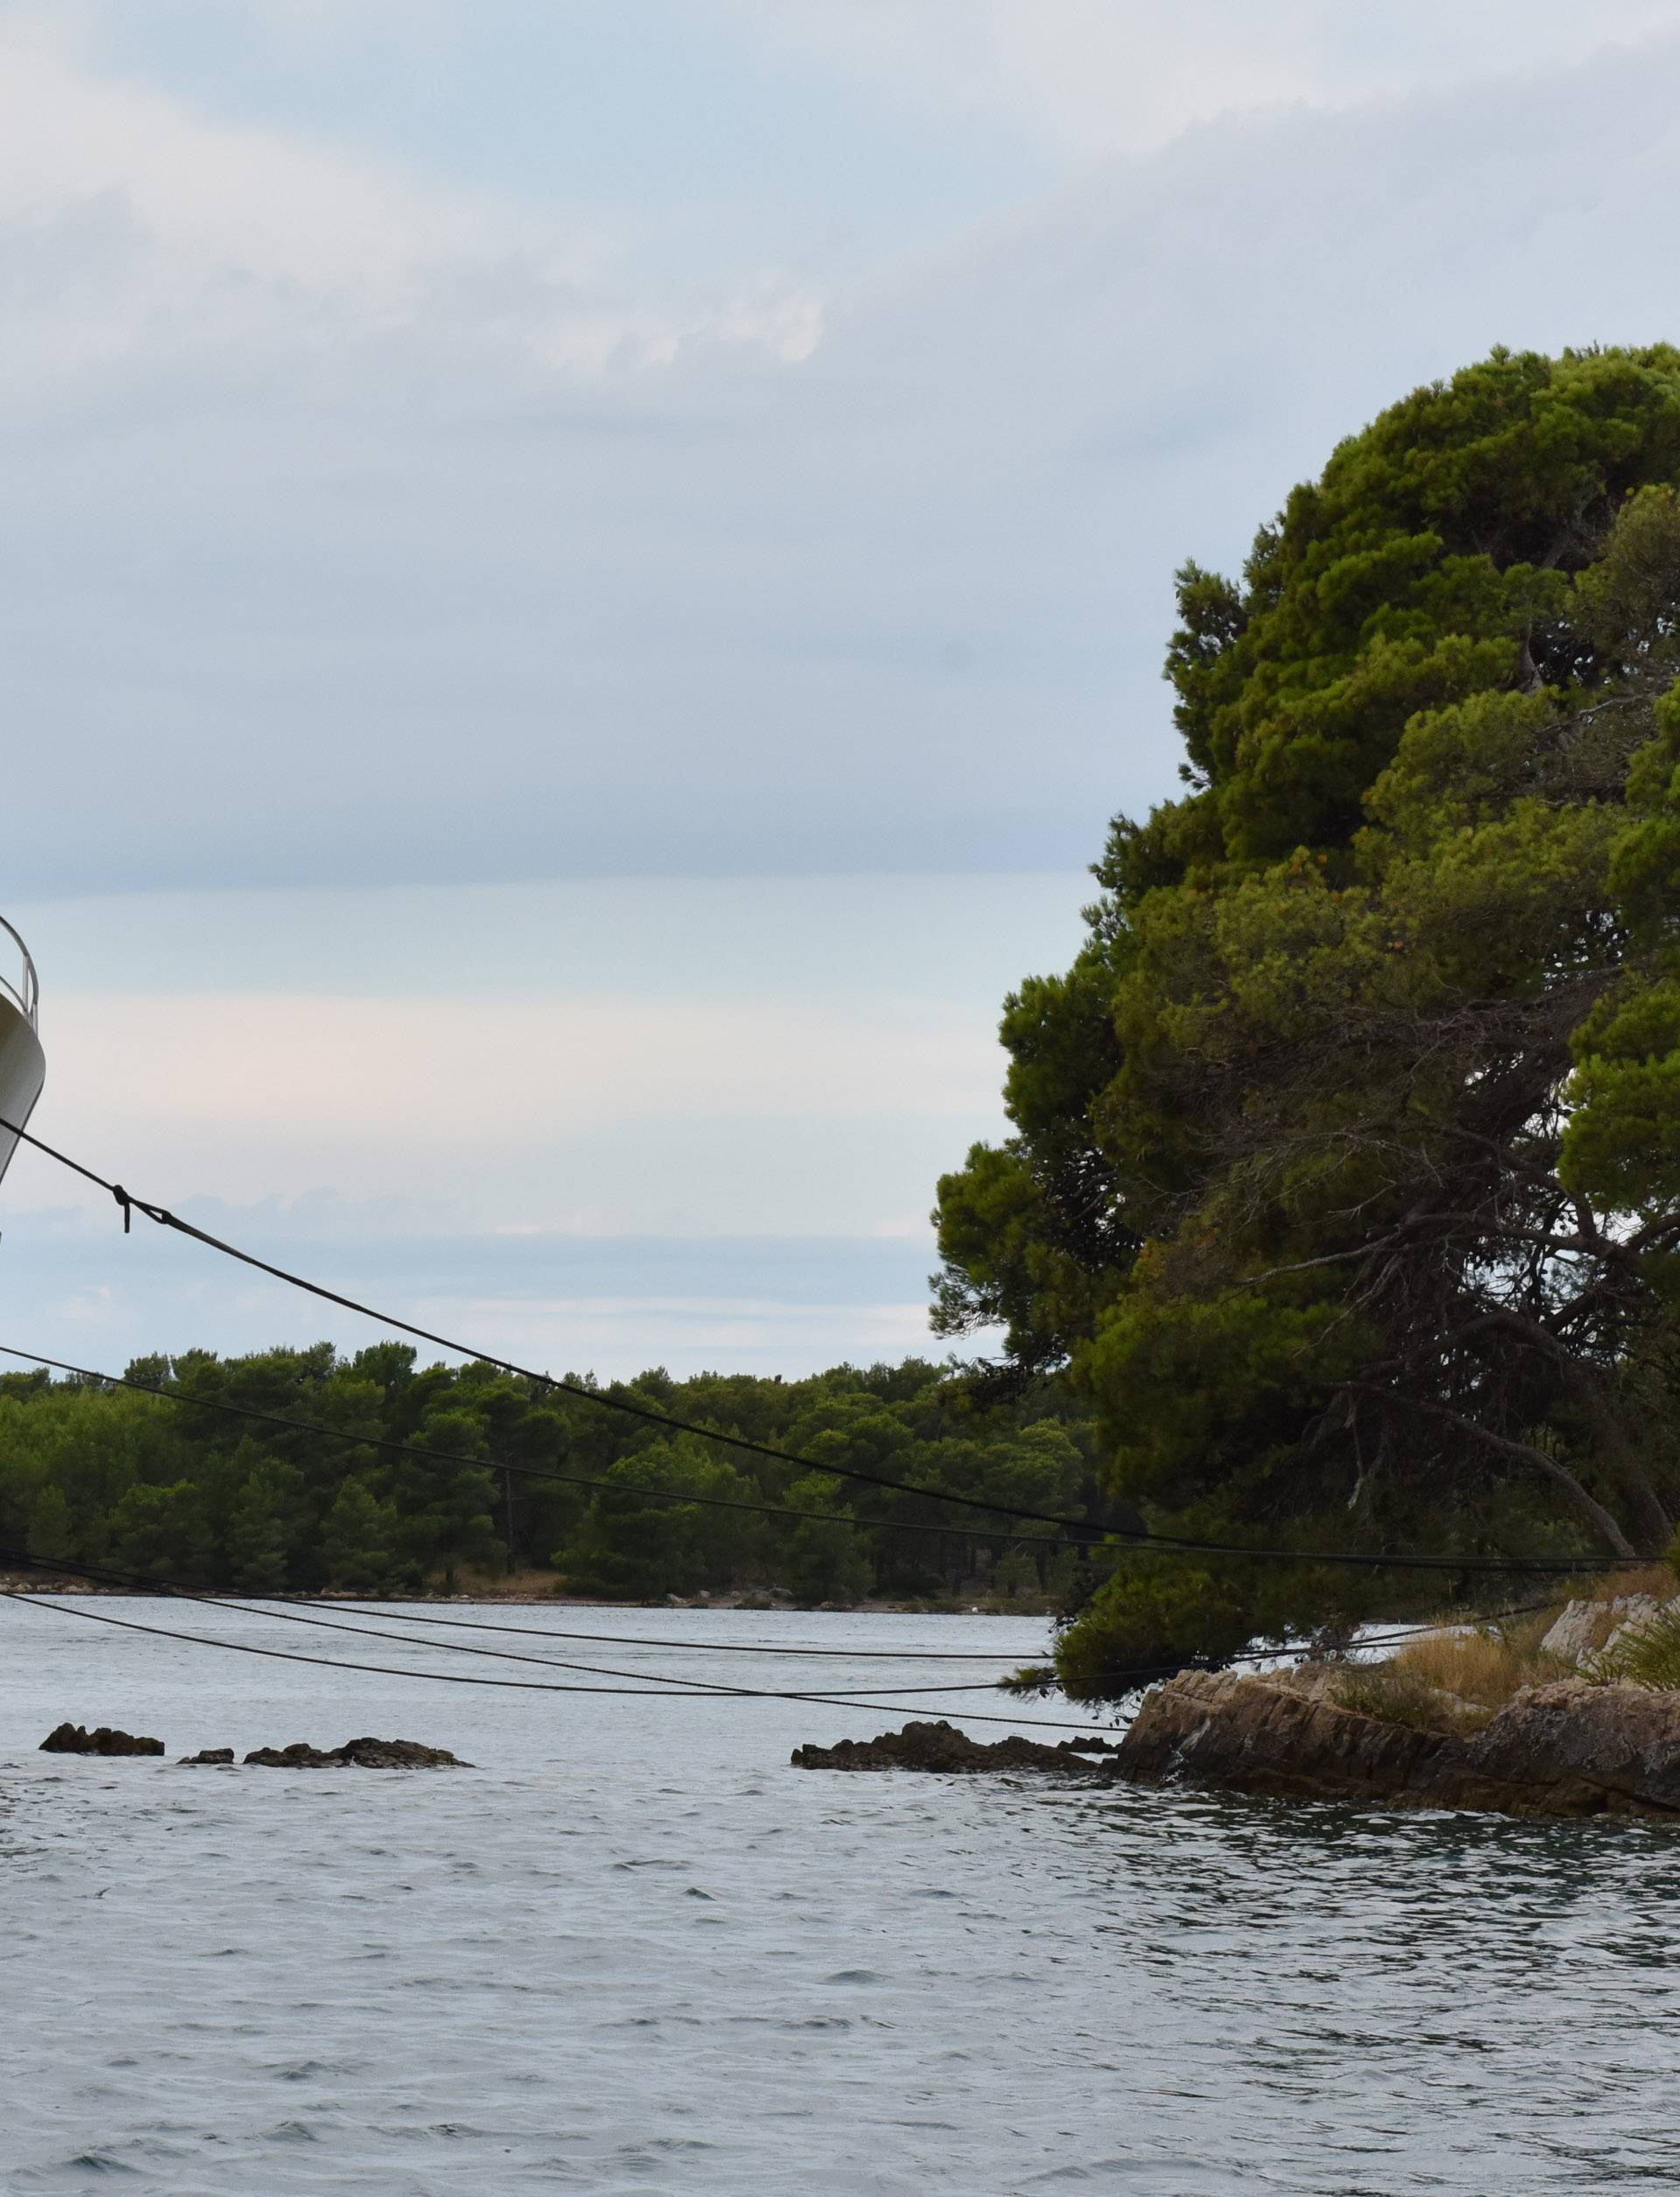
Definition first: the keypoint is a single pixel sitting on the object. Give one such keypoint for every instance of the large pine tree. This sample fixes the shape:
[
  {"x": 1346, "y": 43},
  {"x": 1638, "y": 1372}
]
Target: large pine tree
[{"x": 1345, "y": 1165}]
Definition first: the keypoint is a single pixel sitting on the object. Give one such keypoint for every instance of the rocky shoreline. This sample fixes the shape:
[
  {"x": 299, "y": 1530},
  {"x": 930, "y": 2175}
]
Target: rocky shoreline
[
  {"x": 1569, "y": 1749},
  {"x": 772, "y": 1601}
]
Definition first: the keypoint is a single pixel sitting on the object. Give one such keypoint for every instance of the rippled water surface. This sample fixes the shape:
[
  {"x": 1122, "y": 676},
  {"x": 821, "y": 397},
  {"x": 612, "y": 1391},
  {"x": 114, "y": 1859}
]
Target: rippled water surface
[{"x": 632, "y": 1950}]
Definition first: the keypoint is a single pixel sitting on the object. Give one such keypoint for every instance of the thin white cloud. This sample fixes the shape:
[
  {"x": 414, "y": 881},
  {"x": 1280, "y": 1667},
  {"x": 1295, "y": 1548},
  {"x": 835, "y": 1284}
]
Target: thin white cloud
[
  {"x": 361, "y": 527},
  {"x": 1088, "y": 78},
  {"x": 529, "y": 1067},
  {"x": 435, "y": 1072},
  {"x": 412, "y": 603},
  {"x": 133, "y": 230}
]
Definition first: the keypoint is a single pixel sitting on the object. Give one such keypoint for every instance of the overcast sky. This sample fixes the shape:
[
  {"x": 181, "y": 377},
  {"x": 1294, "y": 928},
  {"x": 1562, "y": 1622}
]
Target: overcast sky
[{"x": 579, "y": 579}]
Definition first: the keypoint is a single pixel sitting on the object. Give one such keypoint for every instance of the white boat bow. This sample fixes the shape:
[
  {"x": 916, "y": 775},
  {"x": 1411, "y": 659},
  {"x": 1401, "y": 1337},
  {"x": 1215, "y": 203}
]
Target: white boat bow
[{"x": 23, "y": 1064}]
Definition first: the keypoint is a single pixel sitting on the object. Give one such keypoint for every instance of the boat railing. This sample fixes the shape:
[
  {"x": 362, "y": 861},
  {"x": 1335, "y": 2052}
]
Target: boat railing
[{"x": 27, "y": 990}]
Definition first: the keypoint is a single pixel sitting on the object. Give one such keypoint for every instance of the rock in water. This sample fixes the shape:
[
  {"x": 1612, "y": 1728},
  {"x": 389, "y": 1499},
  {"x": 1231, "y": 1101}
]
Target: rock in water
[
  {"x": 357, "y": 1754},
  {"x": 74, "y": 1739},
  {"x": 1567, "y": 1749},
  {"x": 396, "y": 1754},
  {"x": 941, "y": 1747},
  {"x": 209, "y": 1754},
  {"x": 1216, "y": 1728}
]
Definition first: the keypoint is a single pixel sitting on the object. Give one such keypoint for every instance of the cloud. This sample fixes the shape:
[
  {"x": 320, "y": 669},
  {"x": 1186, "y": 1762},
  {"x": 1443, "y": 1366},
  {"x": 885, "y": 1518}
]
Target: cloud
[
  {"x": 364, "y": 528},
  {"x": 374, "y": 1121},
  {"x": 438, "y": 1071},
  {"x": 1094, "y": 77},
  {"x": 523, "y": 1068},
  {"x": 380, "y": 563},
  {"x": 134, "y": 231},
  {"x": 569, "y": 1304}
]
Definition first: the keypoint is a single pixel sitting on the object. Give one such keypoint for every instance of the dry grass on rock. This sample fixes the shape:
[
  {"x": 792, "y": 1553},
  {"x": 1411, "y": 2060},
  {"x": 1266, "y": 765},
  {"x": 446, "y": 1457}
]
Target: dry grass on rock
[
  {"x": 1393, "y": 1696},
  {"x": 1486, "y": 1666},
  {"x": 1458, "y": 1678}
]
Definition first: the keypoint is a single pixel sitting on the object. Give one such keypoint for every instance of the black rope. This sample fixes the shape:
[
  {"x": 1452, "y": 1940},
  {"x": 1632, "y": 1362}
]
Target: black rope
[
  {"x": 252, "y": 1605},
  {"x": 165, "y": 1219},
  {"x": 1080, "y": 1532},
  {"x": 891, "y": 1654},
  {"x": 263, "y": 1605},
  {"x": 463, "y": 1678},
  {"x": 388, "y": 1607}
]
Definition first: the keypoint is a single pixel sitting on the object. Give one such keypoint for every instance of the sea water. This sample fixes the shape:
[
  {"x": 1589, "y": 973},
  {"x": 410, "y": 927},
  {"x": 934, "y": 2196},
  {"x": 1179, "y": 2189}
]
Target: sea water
[{"x": 632, "y": 1950}]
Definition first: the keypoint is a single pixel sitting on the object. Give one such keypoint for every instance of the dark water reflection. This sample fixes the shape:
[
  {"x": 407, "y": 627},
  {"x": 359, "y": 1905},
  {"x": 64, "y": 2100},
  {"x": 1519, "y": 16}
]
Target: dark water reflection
[{"x": 632, "y": 1951}]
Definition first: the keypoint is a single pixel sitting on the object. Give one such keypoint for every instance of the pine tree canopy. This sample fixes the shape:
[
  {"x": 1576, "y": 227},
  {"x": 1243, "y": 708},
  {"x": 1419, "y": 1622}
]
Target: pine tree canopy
[{"x": 1345, "y": 1172}]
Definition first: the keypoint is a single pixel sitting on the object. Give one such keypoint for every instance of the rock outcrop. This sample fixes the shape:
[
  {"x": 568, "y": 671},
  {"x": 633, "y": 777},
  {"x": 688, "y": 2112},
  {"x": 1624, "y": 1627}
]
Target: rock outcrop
[
  {"x": 941, "y": 1748},
  {"x": 1585, "y": 1630},
  {"x": 357, "y": 1754},
  {"x": 1570, "y": 1748},
  {"x": 209, "y": 1754},
  {"x": 1566, "y": 1749},
  {"x": 1637, "y": 1621},
  {"x": 74, "y": 1739}
]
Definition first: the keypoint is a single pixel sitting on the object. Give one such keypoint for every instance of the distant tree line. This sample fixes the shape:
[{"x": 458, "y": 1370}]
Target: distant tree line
[{"x": 141, "y": 1485}]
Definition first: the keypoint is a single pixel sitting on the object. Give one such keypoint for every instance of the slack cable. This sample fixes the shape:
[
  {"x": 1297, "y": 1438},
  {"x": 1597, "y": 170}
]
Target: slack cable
[
  {"x": 1078, "y": 1530},
  {"x": 472, "y": 1678},
  {"x": 163, "y": 1218},
  {"x": 255, "y": 1605}
]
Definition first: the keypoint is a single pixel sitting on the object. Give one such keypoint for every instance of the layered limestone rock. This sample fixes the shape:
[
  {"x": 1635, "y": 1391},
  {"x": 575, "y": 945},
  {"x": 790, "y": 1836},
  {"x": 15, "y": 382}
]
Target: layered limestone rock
[
  {"x": 1588, "y": 1629},
  {"x": 1566, "y": 1749},
  {"x": 1637, "y": 1619},
  {"x": 1570, "y": 1748}
]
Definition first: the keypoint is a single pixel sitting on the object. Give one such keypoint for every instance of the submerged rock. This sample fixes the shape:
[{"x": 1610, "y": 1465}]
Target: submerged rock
[
  {"x": 1566, "y": 1749},
  {"x": 357, "y": 1754},
  {"x": 941, "y": 1748},
  {"x": 74, "y": 1739}
]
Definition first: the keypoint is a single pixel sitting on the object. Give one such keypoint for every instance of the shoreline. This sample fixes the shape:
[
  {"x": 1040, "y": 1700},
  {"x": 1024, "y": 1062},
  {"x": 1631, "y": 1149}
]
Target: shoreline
[{"x": 27, "y": 1582}]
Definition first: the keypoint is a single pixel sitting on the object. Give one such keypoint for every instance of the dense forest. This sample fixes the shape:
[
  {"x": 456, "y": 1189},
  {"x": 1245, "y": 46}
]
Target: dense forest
[
  {"x": 1344, "y": 1177},
  {"x": 162, "y": 1489}
]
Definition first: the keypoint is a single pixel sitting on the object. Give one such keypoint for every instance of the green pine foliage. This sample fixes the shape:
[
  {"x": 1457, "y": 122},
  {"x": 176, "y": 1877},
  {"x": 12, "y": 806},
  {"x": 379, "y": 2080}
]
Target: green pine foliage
[
  {"x": 139, "y": 1485},
  {"x": 1345, "y": 1172}
]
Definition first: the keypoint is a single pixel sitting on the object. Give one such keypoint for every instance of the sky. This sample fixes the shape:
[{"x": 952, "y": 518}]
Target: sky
[{"x": 579, "y": 580}]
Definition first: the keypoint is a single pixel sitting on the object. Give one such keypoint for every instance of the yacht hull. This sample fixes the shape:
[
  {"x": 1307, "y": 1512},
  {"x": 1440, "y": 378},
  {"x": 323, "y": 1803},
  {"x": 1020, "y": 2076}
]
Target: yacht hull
[{"x": 23, "y": 1071}]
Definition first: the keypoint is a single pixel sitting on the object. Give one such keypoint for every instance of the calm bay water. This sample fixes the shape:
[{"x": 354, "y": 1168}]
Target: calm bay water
[{"x": 633, "y": 1951}]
